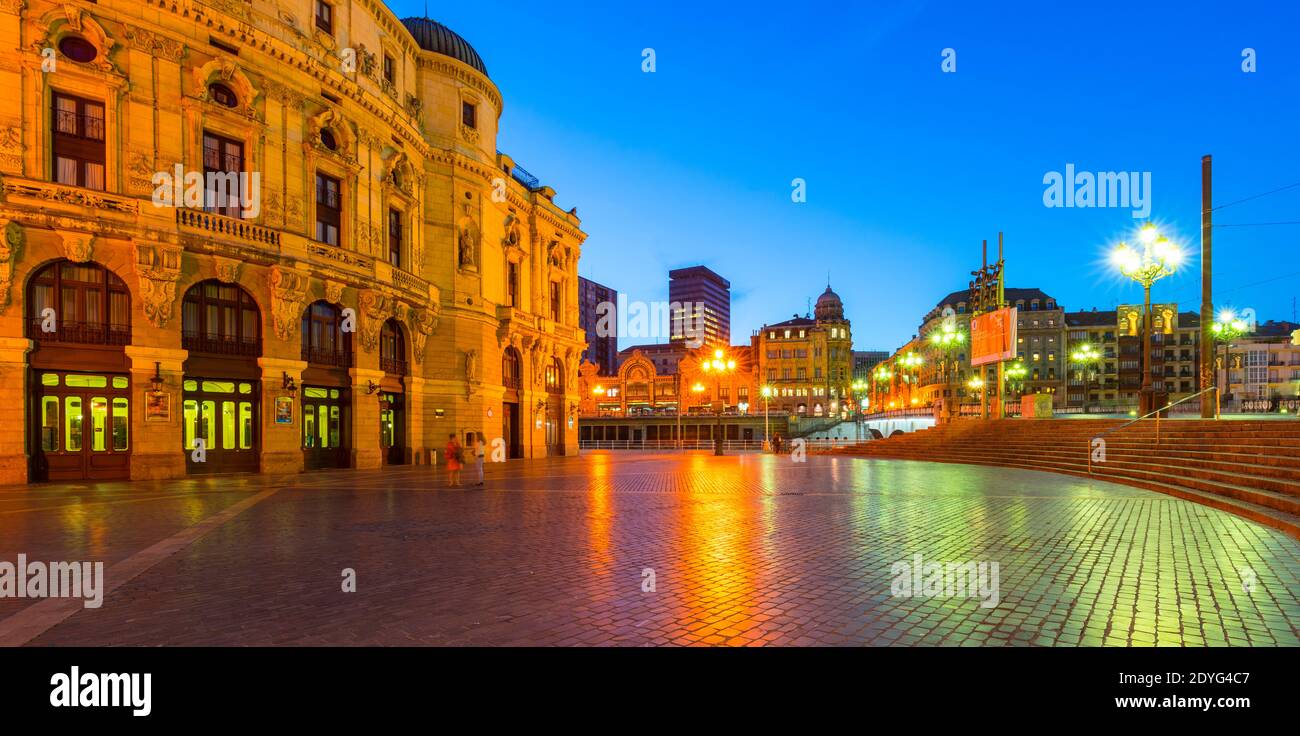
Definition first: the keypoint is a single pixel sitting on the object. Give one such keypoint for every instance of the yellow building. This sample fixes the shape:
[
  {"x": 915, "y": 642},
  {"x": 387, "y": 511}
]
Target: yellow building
[
  {"x": 379, "y": 277},
  {"x": 808, "y": 363}
]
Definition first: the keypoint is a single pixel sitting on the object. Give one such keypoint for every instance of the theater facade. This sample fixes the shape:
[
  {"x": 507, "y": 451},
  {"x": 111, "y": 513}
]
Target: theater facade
[{"x": 366, "y": 276}]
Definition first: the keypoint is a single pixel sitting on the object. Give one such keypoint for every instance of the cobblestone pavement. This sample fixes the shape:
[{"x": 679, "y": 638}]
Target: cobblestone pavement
[{"x": 635, "y": 549}]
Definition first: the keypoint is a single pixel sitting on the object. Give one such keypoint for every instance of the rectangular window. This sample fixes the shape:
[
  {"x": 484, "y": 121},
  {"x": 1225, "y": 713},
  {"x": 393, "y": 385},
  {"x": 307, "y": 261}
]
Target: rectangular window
[
  {"x": 556, "y": 307},
  {"x": 223, "y": 162},
  {"x": 325, "y": 16},
  {"x": 512, "y": 284},
  {"x": 395, "y": 238},
  {"x": 328, "y": 215},
  {"x": 469, "y": 114},
  {"x": 78, "y": 142},
  {"x": 390, "y": 69}
]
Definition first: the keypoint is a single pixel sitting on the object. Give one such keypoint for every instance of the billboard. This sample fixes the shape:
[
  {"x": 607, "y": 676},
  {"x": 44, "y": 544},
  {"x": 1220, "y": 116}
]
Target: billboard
[{"x": 993, "y": 336}]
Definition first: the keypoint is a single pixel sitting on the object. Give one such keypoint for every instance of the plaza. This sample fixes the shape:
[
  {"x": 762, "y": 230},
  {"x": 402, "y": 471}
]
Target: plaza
[{"x": 647, "y": 549}]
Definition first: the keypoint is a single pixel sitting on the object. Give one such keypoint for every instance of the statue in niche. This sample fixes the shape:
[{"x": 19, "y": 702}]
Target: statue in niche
[{"x": 466, "y": 245}]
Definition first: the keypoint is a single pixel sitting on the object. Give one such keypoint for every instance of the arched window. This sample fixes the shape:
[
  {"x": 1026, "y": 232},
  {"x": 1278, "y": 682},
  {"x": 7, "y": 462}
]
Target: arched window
[
  {"x": 86, "y": 303},
  {"x": 222, "y": 319},
  {"x": 222, "y": 95},
  {"x": 323, "y": 338},
  {"x": 392, "y": 348},
  {"x": 555, "y": 376},
  {"x": 328, "y": 140},
  {"x": 511, "y": 369}
]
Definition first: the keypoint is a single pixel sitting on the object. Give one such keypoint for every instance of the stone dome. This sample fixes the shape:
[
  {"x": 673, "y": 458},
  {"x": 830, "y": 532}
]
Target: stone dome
[
  {"x": 829, "y": 306},
  {"x": 434, "y": 36}
]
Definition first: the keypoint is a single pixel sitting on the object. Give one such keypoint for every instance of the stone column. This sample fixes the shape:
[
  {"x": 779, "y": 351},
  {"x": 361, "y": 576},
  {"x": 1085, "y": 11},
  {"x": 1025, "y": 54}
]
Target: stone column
[
  {"x": 157, "y": 449},
  {"x": 14, "y": 460},
  {"x": 366, "y": 450},
  {"x": 281, "y": 443},
  {"x": 417, "y": 433}
]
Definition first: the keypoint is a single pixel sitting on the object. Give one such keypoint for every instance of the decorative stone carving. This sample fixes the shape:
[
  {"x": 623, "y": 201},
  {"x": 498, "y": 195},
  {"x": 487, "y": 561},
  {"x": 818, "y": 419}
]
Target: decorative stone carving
[
  {"x": 224, "y": 69},
  {"x": 11, "y": 245},
  {"x": 376, "y": 308},
  {"x": 468, "y": 133},
  {"x": 288, "y": 292},
  {"x": 11, "y": 147},
  {"x": 365, "y": 61},
  {"x": 77, "y": 246},
  {"x": 227, "y": 269},
  {"x": 334, "y": 292},
  {"x": 423, "y": 321},
  {"x": 158, "y": 266},
  {"x": 154, "y": 44},
  {"x": 415, "y": 107}
]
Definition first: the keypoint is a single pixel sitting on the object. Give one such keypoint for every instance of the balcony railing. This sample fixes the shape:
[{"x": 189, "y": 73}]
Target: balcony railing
[
  {"x": 392, "y": 366},
  {"x": 221, "y": 345},
  {"x": 318, "y": 356},
  {"x": 80, "y": 333},
  {"x": 229, "y": 226}
]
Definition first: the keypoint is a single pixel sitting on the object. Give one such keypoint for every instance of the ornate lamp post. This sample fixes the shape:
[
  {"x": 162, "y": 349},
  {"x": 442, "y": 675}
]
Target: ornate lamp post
[
  {"x": 1015, "y": 375},
  {"x": 718, "y": 367},
  {"x": 1158, "y": 258},
  {"x": 1226, "y": 328},
  {"x": 883, "y": 376},
  {"x": 976, "y": 385},
  {"x": 911, "y": 363},
  {"x": 1086, "y": 355},
  {"x": 767, "y": 429},
  {"x": 948, "y": 338}
]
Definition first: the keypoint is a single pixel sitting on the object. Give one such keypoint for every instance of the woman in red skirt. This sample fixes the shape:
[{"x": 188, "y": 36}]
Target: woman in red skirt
[{"x": 453, "y": 462}]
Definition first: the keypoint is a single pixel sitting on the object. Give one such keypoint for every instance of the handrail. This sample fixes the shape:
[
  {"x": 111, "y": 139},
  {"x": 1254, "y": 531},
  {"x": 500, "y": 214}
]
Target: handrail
[{"x": 1157, "y": 414}]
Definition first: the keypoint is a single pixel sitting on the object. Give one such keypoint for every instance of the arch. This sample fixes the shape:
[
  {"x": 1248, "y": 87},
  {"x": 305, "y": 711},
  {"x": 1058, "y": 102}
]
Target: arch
[
  {"x": 324, "y": 341},
  {"x": 59, "y": 24},
  {"x": 88, "y": 303},
  {"x": 221, "y": 319},
  {"x": 226, "y": 72},
  {"x": 392, "y": 348},
  {"x": 512, "y": 370}
]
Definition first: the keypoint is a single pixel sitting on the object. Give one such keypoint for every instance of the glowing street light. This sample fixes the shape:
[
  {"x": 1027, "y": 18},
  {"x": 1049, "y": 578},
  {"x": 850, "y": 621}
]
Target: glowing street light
[
  {"x": 719, "y": 366},
  {"x": 1158, "y": 258},
  {"x": 1228, "y": 326},
  {"x": 766, "y": 391},
  {"x": 1087, "y": 356},
  {"x": 1015, "y": 374}
]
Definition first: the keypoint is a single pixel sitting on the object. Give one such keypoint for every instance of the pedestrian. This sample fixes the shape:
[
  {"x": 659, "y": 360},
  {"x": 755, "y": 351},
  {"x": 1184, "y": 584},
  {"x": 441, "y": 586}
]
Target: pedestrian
[
  {"x": 480, "y": 448},
  {"x": 453, "y": 461}
]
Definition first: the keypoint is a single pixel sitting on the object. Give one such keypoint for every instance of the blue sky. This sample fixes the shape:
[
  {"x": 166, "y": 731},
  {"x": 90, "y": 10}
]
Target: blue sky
[{"x": 907, "y": 168}]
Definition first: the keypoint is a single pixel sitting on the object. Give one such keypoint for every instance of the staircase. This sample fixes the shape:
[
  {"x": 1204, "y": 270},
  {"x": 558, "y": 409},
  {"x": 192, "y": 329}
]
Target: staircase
[{"x": 1249, "y": 468}]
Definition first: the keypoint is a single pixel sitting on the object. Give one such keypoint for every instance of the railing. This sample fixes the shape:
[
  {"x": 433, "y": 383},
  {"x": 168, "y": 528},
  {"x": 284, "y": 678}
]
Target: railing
[
  {"x": 80, "y": 333},
  {"x": 79, "y": 125},
  {"x": 219, "y": 345},
  {"x": 525, "y": 178},
  {"x": 392, "y": 366},
  {"x": 1157, "y": 414},
  {"x": 705, "y": 444},
  {"x": 223, "y": 225},
  {"x": 342, "y": 359}
]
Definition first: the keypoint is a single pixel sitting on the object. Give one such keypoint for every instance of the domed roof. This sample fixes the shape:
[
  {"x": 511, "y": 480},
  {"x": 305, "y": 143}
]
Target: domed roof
[
  {"x": 434, "y": 36},
  {"x": 829, "y": 306}
]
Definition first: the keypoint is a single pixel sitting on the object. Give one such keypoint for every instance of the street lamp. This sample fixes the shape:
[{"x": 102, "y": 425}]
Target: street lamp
[
  {"x": 719, "y": 366},
  {"x": 947, "y": 338},
  {"x": 767, "y": 429},
  {"x": 1226, "y": 328},
  {"x": 1015, "y": 374},
  {"x": 1087, "y": 356},
  {"x": 883, "y": 377},
  {"x": 912, "y": 362},
  {"x": 976, "y": 385},
  {"x": 1158, "y": 258}
]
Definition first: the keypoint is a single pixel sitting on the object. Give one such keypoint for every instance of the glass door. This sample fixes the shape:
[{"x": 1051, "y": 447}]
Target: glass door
[
  {"x": 82, "y": 427},
  {"x": 224, "y": 415},
  {"x": 325, "y": 441}
]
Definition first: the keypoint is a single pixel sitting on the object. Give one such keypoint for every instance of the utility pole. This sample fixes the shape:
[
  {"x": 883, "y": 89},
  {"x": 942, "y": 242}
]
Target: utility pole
[{"x": 1208, "y": 402}]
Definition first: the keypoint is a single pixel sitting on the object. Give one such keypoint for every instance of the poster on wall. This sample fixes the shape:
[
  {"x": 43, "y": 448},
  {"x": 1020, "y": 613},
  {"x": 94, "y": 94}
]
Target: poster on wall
[
  {"x": 157, "y": 407},
  {"x": 283, "y": 410}
]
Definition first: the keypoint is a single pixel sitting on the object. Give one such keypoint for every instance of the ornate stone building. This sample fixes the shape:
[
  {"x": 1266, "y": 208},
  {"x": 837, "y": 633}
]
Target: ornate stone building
[
  {"x": 808, "y": 363},
  {"x": 378, "y": 277}
]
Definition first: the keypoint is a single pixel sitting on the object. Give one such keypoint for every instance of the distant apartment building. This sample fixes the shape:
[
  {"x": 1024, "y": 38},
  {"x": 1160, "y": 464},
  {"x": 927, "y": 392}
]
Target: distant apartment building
[
  {"x": 808, "y": 361},
  {"x": 1116, "y": 377},
  {"x": 864, "y": 361},
  {"x": 602, "y": 351},
  {"x": 699, "y": 288}
]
